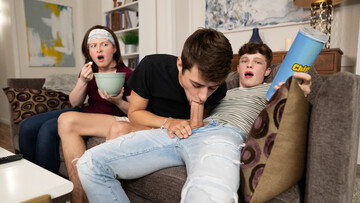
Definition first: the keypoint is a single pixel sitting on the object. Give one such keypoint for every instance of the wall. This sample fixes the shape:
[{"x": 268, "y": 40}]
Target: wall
[
  {"x": 175, "y": 20},
  {"x": 8, "y": 64},
  {"x": 345, "y": 28},
  {"x": 13, "y": 42}
]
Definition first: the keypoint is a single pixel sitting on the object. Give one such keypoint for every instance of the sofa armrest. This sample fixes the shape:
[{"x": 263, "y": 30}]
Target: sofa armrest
[
  {"x": 333, "y": 140},
  {"x": 35, "y": 83}
]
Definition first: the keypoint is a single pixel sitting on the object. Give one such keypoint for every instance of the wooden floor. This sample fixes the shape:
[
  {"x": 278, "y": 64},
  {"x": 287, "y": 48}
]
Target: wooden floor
[
  {"x": 5, "y": 139},
  {"x": 5, "y": 142}
]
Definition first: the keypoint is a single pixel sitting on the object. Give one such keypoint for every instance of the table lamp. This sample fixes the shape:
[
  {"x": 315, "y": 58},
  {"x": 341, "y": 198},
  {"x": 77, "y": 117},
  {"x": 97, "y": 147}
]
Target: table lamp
[{"x": 321, "y": 14}]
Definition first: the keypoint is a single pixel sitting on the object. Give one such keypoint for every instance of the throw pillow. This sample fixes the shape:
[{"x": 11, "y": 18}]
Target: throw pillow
[
  {"x": 26, "y": 102},
  {"x": 273, "y": 158}
]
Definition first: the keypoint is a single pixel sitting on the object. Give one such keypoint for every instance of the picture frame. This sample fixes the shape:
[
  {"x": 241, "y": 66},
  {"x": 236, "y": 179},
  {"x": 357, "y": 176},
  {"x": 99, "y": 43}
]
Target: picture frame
[
  {"x": 50, "y": 34},
  {"x": 246, "y": 14}
]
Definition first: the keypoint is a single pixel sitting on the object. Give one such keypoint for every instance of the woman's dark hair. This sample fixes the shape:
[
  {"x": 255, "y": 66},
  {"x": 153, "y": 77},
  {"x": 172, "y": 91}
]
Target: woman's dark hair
[
  {"x": 211, "y": 51},
  {"x": 85, "y": 47}
]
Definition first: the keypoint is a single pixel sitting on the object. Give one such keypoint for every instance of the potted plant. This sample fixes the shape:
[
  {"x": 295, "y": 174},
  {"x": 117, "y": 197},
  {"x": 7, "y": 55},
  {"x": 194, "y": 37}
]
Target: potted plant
[{"x": 131, "y": 40}]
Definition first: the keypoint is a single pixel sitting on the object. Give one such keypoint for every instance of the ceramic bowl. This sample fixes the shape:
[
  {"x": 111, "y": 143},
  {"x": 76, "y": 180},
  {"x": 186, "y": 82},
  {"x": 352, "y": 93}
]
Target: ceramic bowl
[{"x": 110, "y": 82}]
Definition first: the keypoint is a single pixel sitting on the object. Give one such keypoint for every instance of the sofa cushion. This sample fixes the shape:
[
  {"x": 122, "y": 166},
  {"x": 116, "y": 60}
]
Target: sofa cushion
[
  {"x": 274, "y": 156},
  {"x": 26, "y": 102}
]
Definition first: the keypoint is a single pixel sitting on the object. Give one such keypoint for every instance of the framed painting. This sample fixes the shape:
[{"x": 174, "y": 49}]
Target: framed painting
[
  {"x": 226, "y": 15},
  {"x": 50, "y": 37}
]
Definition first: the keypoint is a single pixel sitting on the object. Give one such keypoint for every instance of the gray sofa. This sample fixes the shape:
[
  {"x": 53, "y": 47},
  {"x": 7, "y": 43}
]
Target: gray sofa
[{"x": 333, "y": 137}]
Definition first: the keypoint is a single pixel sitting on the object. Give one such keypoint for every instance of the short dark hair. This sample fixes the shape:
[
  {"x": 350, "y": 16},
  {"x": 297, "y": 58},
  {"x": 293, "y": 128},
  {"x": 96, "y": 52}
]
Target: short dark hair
[
  {"x": 257, "y": 47},
  {"x": 85, "y": 47},
  {"x": 211, "y": 51}
]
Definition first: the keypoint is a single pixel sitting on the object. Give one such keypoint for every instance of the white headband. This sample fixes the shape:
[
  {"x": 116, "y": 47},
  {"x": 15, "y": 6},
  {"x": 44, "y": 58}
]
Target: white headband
[{"x": 100, "y": 33}]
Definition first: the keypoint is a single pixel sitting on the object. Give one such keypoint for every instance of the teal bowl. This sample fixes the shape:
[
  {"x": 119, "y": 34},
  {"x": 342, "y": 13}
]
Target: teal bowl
[{"x": 110, "y": 82}]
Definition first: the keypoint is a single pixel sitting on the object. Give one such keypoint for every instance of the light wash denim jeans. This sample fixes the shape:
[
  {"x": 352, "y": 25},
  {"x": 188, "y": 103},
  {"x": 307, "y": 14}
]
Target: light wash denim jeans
[{"x": 211, "y": 156}]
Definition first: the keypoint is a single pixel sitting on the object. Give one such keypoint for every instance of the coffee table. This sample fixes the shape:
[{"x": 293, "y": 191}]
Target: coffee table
[{"x": 22, "y": 180}]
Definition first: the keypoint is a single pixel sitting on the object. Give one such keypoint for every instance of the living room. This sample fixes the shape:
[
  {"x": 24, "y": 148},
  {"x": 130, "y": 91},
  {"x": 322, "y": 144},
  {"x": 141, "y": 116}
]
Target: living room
[
  {"x": 171, "y": 23},
  {"x": 168, "y": 24}
]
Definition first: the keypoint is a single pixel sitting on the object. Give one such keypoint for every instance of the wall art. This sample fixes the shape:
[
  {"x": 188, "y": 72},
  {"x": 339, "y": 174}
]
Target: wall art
[
  {"x": 50, "y": 37},
  {"x": 226, "y": 15}
]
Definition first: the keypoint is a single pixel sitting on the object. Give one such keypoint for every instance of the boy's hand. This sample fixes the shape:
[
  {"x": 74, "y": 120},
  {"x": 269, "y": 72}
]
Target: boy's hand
[
  {"x": 305, "y": 85},
  {"x": 180, "y": 127}
]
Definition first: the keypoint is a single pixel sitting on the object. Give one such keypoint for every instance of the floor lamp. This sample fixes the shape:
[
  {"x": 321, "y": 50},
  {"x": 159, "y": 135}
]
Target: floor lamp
[{"x": 321, "y": 14}]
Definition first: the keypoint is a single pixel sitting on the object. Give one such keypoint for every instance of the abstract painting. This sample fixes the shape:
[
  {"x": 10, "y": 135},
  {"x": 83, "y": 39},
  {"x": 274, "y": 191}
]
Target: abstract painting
[
  {"x": 49, "y": 31},
  {"x": 241, "y": 14}
]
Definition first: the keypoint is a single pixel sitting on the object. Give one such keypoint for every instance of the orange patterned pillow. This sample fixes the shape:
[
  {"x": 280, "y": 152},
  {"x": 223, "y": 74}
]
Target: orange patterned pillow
[
  {"x": 26, "y": 102},
  {"x": 274, "y": 156}
]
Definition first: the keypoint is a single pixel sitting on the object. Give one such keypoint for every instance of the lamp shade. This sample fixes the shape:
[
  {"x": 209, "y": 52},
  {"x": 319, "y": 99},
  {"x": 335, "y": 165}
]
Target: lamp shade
[{"x": 307, "y": 3}]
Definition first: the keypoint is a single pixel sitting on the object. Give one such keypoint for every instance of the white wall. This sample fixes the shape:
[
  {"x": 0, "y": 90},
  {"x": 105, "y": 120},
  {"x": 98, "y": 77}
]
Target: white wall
[
  {"x": 345, "y": 28},
  {"x": 8, "y": 64},
  {"x": 175, "y": 20},
  {"x": 358, "y": 73}
]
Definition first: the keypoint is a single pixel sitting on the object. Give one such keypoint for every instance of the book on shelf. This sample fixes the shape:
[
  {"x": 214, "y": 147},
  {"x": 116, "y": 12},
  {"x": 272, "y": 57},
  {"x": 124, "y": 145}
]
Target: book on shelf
[
  {"x": 120, "y": 20},
  {"x": 133, "y": 62}
]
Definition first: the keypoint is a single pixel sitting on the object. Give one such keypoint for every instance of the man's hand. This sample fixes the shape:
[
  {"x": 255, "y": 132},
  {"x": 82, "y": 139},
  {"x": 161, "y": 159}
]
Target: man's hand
[
  {"x": 180, "y": 127},
  {"x": 305, "y": 85}
]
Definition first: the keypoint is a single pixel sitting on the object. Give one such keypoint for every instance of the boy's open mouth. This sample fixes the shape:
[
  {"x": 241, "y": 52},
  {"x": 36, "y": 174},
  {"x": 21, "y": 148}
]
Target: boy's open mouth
[{"x": 248, "y": 74}]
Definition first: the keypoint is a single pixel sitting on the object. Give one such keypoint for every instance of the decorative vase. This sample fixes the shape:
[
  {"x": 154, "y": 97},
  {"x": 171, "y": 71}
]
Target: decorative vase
[
  {"x": 255, "y": 37},
  {"x": 130, "y": 48}
]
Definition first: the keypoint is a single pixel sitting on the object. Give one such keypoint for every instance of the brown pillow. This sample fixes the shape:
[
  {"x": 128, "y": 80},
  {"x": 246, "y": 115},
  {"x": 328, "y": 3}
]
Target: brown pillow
[
  {"x": 26, "y": 102},
  {"x": 274, "y": 156}
]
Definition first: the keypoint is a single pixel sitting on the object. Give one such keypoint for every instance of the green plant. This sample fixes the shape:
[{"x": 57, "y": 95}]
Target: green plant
[{"x": 130, "y": 38}]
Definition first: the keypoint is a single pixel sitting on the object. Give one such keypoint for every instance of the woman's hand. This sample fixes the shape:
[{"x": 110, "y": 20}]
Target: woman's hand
[
  {"x": 86, "y": 74},
  {"x": 113, "y": 99},
  {"x": 117, "y": 100}
]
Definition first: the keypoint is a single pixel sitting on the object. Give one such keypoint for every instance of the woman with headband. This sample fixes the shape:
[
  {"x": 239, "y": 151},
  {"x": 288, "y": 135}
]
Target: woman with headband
[{"x": 38, "y": 134}]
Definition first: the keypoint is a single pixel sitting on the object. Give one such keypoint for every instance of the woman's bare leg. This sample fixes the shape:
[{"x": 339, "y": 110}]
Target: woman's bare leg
[
  {"x": 122, "y": 128},
  {"x": 71, "y": 127}
]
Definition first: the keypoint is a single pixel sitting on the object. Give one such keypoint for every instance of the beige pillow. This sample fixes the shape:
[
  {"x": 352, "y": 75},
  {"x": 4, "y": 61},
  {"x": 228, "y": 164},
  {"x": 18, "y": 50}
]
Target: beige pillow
[{"x": 274, "y": 156}]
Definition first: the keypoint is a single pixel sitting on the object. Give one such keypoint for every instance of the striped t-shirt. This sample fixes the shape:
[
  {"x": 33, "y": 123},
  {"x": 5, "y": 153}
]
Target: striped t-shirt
[{"x": 241, "y": 106}]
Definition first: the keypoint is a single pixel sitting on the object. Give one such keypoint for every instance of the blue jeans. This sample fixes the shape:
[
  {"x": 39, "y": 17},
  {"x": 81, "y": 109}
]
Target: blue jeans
[
  {"x": 39, "y": 139},
  {"x": 211, "y": 156}
]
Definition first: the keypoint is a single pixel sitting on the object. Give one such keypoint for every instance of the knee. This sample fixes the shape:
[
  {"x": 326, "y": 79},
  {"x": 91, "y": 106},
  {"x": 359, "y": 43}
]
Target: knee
[
  {"x": 48, "y": 130},
  {"x": 27, "y": 125},
  {"x": 65, "y": 122},
  {"x": 117, "y": 129}
]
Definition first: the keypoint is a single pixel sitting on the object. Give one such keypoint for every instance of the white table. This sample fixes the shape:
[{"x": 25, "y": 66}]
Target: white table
[{"x": 22, "y": 180}]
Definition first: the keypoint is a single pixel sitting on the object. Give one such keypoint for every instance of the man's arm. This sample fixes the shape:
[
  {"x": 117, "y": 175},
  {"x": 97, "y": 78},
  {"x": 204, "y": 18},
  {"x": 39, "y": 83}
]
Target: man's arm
[{"x": 139, "y": 115}]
